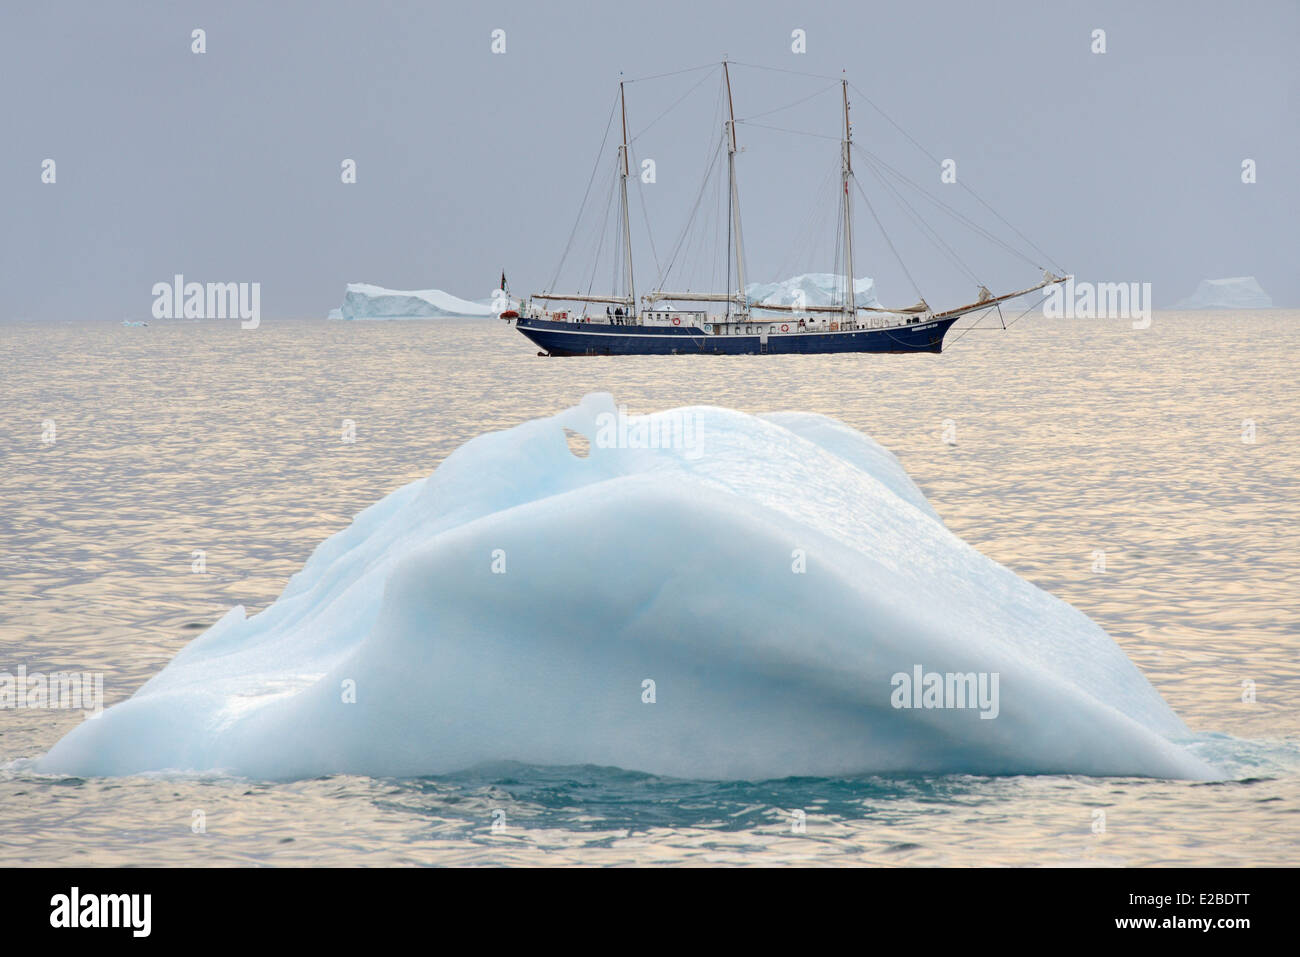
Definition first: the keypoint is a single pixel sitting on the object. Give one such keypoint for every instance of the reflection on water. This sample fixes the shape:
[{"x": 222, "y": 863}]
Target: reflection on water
[{"x": 1105, "y": 464}]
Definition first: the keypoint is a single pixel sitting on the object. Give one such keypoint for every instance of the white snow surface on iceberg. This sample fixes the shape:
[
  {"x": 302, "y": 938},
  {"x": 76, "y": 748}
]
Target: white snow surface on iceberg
[
  {"x": 364, "y": 301},
  {"x": 673, "y": 565},
  {"x": 815, "y": 288},
  {"x": 1239, "y": 292}
]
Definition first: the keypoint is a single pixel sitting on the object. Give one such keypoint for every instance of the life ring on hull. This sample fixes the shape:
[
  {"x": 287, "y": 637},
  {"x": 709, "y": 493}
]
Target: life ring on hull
[
  {"x": 785, "y": 327},
  {"x": 677, "y": 321}
]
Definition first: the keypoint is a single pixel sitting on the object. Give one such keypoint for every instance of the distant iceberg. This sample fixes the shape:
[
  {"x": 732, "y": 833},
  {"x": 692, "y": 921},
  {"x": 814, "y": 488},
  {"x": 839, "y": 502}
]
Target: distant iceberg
[
  {"x": 815, "y": 289},
  {"x": 364, "y": 301},
  {"x": 1241, "y": 292},
  {"x": 703, "y": 593}
]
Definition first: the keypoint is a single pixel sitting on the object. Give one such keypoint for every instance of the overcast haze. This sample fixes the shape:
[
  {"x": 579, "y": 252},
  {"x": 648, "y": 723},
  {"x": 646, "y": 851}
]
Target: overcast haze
[{"x": 226, "y": 166}]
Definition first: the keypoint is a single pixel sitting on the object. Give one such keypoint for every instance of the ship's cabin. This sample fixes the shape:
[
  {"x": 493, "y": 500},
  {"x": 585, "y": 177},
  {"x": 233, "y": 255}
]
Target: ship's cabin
[{"x": 674, "y": 317}]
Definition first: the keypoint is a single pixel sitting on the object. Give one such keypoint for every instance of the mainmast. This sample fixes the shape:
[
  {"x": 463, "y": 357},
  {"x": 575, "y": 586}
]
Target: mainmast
[
  {"x": 735, "y": 196},
  {"x": 627, "y": 227},
  {"x": 846, "y": 174}
]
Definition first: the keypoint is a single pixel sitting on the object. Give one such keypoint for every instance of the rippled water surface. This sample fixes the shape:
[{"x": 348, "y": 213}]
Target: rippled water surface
[{"x": 1071, "y": 439}]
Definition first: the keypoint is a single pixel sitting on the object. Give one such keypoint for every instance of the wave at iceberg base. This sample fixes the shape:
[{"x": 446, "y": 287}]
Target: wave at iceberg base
[{"x": 512, "y": 605}]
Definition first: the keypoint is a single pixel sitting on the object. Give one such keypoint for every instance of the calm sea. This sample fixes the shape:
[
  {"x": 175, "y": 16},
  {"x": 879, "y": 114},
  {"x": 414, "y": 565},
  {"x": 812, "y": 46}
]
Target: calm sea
[{"x": 1149, "y": 477}]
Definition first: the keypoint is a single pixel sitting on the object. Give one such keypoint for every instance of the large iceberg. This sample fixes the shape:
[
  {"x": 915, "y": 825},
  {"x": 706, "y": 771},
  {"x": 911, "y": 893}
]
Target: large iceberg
[
  {"x": 1240, "y": 292},
  {"x": 364, "y": 301},
  {"x": 811, "y": 289},
  {"x": 698, "y": 593}
]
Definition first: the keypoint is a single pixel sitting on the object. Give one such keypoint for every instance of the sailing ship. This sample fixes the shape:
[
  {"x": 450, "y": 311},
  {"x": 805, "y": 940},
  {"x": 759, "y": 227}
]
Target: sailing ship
[{"x": 658, "y": 325}]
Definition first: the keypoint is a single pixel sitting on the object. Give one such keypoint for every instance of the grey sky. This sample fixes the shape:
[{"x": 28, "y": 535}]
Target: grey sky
[{"x": 226, "y": 166}]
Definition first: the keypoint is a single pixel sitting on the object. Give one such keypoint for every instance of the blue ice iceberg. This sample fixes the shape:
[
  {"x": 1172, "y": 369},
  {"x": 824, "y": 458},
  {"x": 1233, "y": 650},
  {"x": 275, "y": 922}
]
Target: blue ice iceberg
[
  {"x": 1239, "y": 292},
  {"x": 811, "y": 289},
  {"x": 704, "y": 594},
  {"x": 365, "y": 301}
]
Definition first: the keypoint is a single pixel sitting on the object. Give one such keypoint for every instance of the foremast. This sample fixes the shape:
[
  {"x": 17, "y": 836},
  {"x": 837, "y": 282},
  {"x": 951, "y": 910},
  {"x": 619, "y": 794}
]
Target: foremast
[{"x": 846, "y": 176}]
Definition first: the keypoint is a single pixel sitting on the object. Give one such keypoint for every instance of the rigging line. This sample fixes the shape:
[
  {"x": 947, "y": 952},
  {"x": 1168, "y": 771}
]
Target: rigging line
[
  {"x": 695, "y": 238},
  {"x": 926, "y": 229},
  {"x": 716, "y": 243},
  {"x": 839, "y": 246},
  {"x": 586, "y": 252},
  {"x": 574, "y": 232},
  {"x": 645, "y": 218},
  {"x": 1027, "y": 311},
  {"x": 1035, "y": 248},
  {"x": 934, "y": 159},
  {"x": 703, "y": 243},
  {"x": 782, "y": 129},
  {"x": 923, "y": 227},
  {"x": 838, "y": 262},
  {"x": 613, "y": 268},
  {"x": 600, "y": 241},
  {"x": 954, "y": 213},
  {"x": 739, "y": 248},
  {"x": 731, "y": 195},
  {"x": 719, "y": 105},
  {"x": 710, "y": 159},
  {"x": 708, "y": 175},
  {"x": 989, "y": 328},
  {"x": 957, "y": 215},
  {"x": 803, "y": 99},
  {"x": 967, "y": 329},
  {"x": 660, "y": 76},
  {"x": 675, "y": 103},
  {"x": 883, "y": 232},
  {"x": 719, "y": 203},
  {"x": 777, "y": 69},
  {"x": 803, "y": 237},
  {"x": 890, "y": 119}
]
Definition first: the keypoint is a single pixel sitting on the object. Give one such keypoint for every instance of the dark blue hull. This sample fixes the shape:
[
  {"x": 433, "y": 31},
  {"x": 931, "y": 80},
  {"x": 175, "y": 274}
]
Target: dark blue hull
[{"x": 599, "y": 339}]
